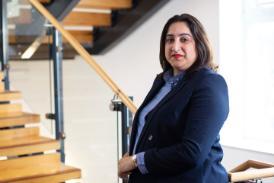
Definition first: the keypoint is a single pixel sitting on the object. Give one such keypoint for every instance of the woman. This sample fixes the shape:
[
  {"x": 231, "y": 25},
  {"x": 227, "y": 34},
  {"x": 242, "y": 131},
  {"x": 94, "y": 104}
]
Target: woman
[{"x": 175, "y": 132}]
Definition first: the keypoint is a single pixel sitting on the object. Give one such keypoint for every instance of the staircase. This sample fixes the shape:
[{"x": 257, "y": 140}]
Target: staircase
[
  {"x": 98, "y": 25},
  {"x": 25, "y": 156}
]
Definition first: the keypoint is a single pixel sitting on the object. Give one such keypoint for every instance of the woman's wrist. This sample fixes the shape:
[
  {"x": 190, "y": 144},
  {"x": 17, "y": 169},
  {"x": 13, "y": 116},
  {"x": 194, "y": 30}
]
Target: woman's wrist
[{"x": 134, "y": 160}]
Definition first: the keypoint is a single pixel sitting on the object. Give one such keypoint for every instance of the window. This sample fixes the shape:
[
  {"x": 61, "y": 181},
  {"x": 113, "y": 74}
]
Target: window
[{"x": 247, "y": 63}]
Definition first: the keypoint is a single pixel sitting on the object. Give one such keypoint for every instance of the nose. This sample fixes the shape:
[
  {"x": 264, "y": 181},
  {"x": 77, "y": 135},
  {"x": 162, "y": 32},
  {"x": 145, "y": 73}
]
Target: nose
[{"x": 176, "y": 45}]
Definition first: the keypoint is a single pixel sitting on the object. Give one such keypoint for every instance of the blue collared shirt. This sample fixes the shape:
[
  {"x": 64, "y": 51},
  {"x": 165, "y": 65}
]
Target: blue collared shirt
[{"x": 170, "y": 82}]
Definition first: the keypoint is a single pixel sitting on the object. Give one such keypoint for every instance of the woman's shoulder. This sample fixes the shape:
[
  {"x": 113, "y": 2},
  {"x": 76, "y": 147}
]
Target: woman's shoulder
[
  {"x": 209, "y": 73},
  {"x": 209, "y": 77}
]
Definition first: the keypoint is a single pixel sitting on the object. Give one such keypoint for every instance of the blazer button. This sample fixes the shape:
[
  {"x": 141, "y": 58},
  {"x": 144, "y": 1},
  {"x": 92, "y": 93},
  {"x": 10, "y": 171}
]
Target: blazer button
[{"x": 150, "y": 137}]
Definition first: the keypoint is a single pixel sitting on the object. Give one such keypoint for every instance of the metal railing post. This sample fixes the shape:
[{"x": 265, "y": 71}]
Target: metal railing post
[
  {"x": 4, "y": 43},
  {"x": 57, "y": 56},
  {"x": 126, "y": 125}
]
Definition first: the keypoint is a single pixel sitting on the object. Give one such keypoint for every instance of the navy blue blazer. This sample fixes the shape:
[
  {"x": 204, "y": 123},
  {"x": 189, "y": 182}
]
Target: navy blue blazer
[{"x": 181, "y": 134}]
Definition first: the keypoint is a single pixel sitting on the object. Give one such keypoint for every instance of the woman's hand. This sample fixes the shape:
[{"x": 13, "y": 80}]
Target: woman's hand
[{"x": 125, "y": 166}]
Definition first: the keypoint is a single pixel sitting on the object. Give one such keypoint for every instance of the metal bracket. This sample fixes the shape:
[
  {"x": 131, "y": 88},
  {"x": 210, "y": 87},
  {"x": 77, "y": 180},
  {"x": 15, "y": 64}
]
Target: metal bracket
[
  {"x": 6, "y": 67},
  {"x": 115, "y": 104},
  {"x": 62, "y": 135},
  {"x": 50, "y": 116}
]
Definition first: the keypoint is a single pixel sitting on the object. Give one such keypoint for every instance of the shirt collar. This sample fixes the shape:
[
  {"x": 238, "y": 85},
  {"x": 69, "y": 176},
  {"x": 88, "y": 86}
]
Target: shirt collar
[{"x": 172, "y": 80}]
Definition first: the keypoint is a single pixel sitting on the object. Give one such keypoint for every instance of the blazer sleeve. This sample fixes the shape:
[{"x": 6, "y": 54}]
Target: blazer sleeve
[{"x": 207, "y": 110}]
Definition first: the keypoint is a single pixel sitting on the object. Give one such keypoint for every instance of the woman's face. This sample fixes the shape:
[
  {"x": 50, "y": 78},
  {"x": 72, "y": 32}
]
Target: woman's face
[{"x": 180, "y": 49}]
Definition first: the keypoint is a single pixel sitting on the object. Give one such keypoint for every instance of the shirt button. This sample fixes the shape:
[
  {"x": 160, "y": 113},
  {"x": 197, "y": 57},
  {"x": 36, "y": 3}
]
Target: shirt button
[{"x": 150, "y": 137}]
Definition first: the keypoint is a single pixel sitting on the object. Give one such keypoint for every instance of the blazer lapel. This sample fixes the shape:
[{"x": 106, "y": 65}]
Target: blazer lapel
[
  {"x": 158, "y": 83},
  {"x": 190, "y": 79},
  {"x": 150, "y": 115},
  {"x": 186, "y": 80}
]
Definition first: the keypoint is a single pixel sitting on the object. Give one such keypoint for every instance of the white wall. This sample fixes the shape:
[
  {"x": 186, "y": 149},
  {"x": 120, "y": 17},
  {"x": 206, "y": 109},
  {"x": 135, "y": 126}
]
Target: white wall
[{"x": 133, "y": 64}]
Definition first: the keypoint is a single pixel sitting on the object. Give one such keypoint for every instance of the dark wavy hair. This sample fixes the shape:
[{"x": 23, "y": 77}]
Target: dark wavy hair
[{"x": 203, "y": 48}]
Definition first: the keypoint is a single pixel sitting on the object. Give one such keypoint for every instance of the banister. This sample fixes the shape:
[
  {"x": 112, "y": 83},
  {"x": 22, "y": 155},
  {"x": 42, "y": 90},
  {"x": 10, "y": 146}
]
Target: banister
[
  {"x": 251, "y": 174},
  {"x": 87, "y": 57},
  {"x": 251, "y": 164},
  {"x": 260, "y": 170}
]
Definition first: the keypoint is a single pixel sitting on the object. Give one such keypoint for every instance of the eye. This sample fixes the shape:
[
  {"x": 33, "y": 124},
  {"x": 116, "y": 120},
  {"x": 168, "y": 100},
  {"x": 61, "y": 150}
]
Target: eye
[
  {"x": 169, "y": 40},
  {"x": 183, "y": 39}
]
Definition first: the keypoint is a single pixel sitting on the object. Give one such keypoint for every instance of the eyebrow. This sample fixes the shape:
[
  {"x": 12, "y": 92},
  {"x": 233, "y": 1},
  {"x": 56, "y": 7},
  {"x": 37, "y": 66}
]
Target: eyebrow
[{"x": 183, "y": 34}]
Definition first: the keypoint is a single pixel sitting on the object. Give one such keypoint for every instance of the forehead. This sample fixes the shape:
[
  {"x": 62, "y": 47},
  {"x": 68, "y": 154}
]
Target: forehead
[{"x": 178, "y": 28}]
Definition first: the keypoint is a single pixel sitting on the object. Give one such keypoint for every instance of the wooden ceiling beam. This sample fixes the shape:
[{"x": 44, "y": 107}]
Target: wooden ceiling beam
[
  {"x": 105, "y": 4},
  {"x": 87, "y": 19}
]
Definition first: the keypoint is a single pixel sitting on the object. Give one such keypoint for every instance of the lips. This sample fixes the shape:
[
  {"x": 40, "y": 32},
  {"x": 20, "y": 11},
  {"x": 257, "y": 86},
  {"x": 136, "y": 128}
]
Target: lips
[{"x": 177, "y": 56}]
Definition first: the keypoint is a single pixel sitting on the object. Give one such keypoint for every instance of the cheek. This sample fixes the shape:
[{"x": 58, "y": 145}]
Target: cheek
[
  {"x": 193, "y": 53},
  {"x": 166, "y": 51}
]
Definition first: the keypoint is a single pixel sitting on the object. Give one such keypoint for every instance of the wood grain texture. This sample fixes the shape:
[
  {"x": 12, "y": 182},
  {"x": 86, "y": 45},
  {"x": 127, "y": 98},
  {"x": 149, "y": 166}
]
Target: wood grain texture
[
  {"x": 10, "y": 95},
  {"x": 18, "y": 133},
  {"x": 87, "y": 19},
  {"x": 27, "y": 145},
  {"x": 25, "y": 118},
  {"x": 10, "y": 110},
  {"x": 105, "y": 4},
  {"x": 2, "y": 87},
  {"x": 36, "y": 169}
]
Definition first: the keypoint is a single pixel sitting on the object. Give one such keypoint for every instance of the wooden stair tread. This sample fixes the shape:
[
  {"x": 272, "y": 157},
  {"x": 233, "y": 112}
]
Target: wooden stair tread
[
  {"x": 15, "y": 133},
  {"x": 10, "y": 110},
  {"x": 24, "y": 118},
  {"x": 10, "y": 95},
  {"x": 23, "y": 141},
  {"x": 106, "y": 4},
  {"x": 64, "y": 173},
  {"x": 40, "y": 168},
  {"x": 1, "y": 75},
  {"x": 27, "y": 145},
  {"x": 84, "y": 37},
  {"x": 87, "y": 19},
  {"x": 2, "y": 86}
]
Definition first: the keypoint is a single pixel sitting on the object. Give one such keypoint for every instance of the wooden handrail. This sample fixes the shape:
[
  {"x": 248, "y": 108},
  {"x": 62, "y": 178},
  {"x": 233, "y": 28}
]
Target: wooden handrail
[
  {"x": 82, "y": 51},
  {"x": 251, "y": 164},
  {"x": 251, "y": 174},
  {"x": 242, "y": 172}
]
